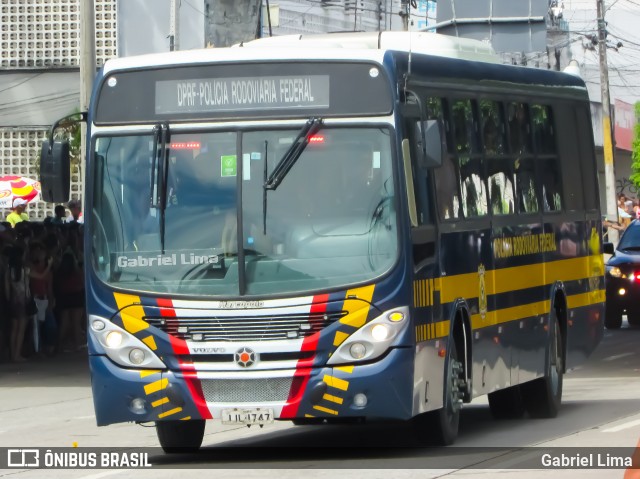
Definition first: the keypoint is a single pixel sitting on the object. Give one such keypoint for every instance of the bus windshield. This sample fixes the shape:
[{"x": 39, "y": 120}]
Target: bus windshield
[{"x": 330, "y": 223}]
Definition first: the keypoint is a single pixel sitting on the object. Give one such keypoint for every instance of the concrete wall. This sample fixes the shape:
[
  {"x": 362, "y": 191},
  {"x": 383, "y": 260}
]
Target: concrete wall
[{"x": 231, "y": 21}]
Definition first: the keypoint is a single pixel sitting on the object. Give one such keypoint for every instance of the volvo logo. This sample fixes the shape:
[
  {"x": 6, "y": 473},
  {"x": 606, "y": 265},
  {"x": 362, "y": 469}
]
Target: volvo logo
[{"x": 245, "y": 357}]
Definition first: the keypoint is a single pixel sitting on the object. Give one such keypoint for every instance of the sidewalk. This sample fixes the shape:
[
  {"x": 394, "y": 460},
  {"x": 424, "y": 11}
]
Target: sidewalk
[{"x": 63, "y": 369}]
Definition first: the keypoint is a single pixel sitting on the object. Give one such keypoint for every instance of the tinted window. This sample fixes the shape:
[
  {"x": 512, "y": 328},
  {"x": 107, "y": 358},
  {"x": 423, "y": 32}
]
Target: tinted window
[
  {"x": 518, "y": 120},
  {"x": 543, "y": 130}
]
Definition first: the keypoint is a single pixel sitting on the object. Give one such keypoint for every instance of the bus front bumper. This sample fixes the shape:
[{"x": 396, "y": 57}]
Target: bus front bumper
[{"x": 382, "y": 389}]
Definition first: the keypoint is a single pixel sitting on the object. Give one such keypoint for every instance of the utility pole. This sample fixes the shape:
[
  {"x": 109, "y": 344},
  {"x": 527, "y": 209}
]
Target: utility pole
[
  {"x": 404, "y": 14},
  {"x": 87, "y": 75},
  {"x": 174, "y": 26},
  {"x": 607, "y": 144}
]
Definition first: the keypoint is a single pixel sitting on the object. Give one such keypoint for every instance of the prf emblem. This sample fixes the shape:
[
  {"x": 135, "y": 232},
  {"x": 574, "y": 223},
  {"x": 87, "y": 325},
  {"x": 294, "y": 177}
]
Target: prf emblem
[{"x": 482, "y": 296}]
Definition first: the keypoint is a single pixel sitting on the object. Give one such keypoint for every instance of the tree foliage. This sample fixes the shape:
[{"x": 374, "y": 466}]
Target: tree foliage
[{"x": 635, "y": 149}]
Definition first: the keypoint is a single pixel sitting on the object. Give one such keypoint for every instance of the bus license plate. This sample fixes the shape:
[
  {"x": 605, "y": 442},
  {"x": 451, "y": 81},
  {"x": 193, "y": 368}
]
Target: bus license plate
[{"x": 247, "y": 416}]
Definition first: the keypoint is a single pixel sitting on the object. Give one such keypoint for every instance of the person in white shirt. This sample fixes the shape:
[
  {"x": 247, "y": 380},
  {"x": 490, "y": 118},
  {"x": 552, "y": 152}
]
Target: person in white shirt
[{"x": 75, "y": 206}]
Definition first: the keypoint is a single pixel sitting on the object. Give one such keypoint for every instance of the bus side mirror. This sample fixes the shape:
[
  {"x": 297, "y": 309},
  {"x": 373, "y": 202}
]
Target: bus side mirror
[
  {"x": 433, "y": 144},
  {"x": 55, "y": 171}
]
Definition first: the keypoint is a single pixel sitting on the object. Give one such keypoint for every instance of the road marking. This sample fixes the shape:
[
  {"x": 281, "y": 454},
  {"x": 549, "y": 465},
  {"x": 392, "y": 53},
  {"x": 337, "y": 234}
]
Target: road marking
[
  {"x": 618, "y": 356},
  {"x": 85, "y": 417},
  {"x": 625, "y": 425}
]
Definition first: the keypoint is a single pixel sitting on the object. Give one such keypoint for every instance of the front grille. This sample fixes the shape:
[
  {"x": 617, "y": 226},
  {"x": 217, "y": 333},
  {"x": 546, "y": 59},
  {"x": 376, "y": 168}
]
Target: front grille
[
  {"x": 245, "y": 328},
  {"x": 228, "y": 358},
  {"x": 246, "y": 390}
]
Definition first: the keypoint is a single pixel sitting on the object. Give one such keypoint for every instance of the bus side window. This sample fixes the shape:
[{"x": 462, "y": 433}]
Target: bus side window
[
  {"x": 421, "y": 175},
  {"x": 543, "y": 130},
  {"x": 472, "y": 189},
  {"x": 500, "y": 186},
  {"x": 472, "y": 185},
  {"x": 519, "y": 131},
  {"x": 551, "y": 185},
  {"x": 465, "y": 138},
  {"x": 447, "y": 178},
  {"x": 447, "y": 189},
  {"x": 544, "y": 139},
  {"x": 526, "y": 185},
  {"x": 492, "y": 127}
]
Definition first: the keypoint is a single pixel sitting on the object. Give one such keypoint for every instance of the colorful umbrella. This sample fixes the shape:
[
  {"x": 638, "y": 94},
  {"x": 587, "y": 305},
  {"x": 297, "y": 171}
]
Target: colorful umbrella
[{"x": 12, "y": 187}]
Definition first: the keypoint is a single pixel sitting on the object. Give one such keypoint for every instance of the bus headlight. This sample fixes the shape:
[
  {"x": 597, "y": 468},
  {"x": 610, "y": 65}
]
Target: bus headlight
[
  {"x": 113, "y": 339},
  {"x": 122, "y": 347},
  {"x": 380, "y": 332},
  {"x": 373, "y": 339},
  {"x": 136, "y": 356},
  {"x": 358, "y": 350}
]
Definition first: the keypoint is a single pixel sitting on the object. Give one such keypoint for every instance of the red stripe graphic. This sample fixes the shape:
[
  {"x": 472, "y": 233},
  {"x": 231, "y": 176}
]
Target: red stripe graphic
[
  {"x": 180, "y": 347},
  {"x": 303, "y": 367}
]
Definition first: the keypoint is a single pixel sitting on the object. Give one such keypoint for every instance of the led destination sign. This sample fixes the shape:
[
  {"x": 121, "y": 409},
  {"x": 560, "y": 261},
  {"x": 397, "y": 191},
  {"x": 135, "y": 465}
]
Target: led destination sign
[
  {"x": 226, "y": 94},
  {"x": 236, "y": 91}
]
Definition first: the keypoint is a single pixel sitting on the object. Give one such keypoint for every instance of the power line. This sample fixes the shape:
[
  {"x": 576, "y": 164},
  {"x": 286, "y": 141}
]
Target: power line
[{"x": 23, "y": 81}]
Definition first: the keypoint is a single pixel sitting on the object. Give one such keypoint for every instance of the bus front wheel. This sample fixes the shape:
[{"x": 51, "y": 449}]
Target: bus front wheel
[
  {"x": 440, "y": 427},
  {"x": 180, "y": 436}
]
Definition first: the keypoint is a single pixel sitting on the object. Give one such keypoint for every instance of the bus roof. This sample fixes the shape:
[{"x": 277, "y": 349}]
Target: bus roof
[
  {"x": 417, "y": 42},
  {"x": 333, "y": 46}
]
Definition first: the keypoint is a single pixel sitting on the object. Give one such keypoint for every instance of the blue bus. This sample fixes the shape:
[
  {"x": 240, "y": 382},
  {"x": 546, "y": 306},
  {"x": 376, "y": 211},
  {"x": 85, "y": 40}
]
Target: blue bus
[{"x": 334, "y": 229}]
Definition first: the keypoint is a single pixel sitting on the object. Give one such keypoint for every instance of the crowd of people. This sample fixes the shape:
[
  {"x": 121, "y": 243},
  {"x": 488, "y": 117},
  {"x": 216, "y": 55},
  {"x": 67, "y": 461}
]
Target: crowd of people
[
  {"x": 41, "y": 283},
  {"x": 628, "y": 210}
]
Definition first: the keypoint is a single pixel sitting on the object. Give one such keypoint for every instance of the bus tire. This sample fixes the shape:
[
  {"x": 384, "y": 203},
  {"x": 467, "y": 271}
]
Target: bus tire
[
  {"x": 440, "y": 427},
  {"x": 507, "y": 403},
  {"x": 180, "y": 436},
  {"x": 612, "y": 318},
  {"x": 543, "y": 396}
]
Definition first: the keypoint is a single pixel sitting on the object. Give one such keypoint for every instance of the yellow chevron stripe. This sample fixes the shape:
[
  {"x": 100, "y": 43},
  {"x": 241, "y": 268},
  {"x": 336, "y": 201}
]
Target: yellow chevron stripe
[
  {"x": 149, "y": 341},
  {"x": 335, "y": 382},
  {"x": 339, "y": 338},
  {"x": 171, "y": 412},
  {"x": 335, "y": 399},
  {"x": 160, "y": 402},
  {"x": 357, "y": 310},
  {"x": 156, "y": 386},
  {"x": 344, "y": 369},
  {"x": 326, "y": 410},
  {"x": 132, "y": 316},
  {"x": 148, "y": 372},
  {"x": 185, "y": 418},
  {"x": 308, "y": 415}
]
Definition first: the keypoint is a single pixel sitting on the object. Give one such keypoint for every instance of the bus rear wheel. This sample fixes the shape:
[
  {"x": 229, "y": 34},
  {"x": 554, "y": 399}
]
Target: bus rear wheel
[
  {"x": 180, "y": 436},
  {"x": 543, "y": 396}
]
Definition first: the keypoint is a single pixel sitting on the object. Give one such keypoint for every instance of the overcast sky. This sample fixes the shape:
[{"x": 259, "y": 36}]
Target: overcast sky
[{"x": 623, "y": 18}]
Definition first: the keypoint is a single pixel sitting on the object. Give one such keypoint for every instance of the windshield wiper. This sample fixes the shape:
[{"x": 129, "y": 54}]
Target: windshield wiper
[
  {"x": 264, "y": 190},
  {"x": 162, "y": 178},
  {"x": 293, "y": 153}
]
